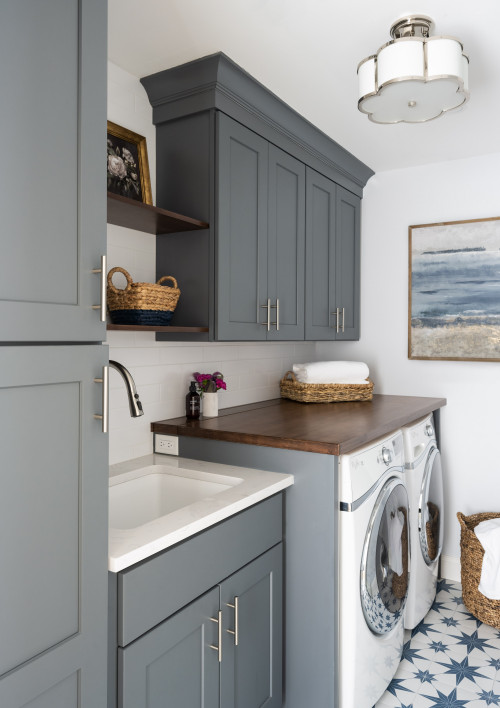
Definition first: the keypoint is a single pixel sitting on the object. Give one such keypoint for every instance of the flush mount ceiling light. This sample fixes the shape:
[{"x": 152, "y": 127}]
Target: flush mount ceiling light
[{"x": 414, "y": 77}]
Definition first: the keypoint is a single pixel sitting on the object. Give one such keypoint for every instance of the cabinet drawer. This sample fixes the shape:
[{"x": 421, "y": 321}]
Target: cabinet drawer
[{"x": 153, "y": 590}]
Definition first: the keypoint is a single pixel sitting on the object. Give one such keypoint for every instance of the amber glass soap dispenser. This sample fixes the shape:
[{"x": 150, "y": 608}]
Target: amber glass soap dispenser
[{"x": 193, "y": 402}]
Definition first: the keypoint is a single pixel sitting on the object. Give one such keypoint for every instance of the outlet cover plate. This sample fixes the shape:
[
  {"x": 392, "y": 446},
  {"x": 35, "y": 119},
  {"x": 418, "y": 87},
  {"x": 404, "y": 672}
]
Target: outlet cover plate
[{"x": 166, "y": 444}]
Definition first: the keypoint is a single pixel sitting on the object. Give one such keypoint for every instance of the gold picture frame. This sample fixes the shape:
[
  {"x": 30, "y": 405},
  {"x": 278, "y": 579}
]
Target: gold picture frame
[
  {"x": 454, "y": 290},
  {"x": 127, "y": 164}
]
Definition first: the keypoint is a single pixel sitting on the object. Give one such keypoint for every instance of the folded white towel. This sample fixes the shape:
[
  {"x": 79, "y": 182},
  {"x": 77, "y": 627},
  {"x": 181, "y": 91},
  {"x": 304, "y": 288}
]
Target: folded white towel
[
  {"x": 325, "y": 372},
  {"x": 488, "y": 533}
]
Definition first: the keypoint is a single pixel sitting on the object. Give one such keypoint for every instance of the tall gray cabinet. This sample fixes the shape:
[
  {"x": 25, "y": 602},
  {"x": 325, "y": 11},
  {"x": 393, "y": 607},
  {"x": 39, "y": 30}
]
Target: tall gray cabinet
[
  {"x": 278, "y": 258},
  {"x": 53, "y": 472}
]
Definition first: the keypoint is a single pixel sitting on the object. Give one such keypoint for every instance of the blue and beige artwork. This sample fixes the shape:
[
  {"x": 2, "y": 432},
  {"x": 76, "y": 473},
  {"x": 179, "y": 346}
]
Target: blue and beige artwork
[{"x": 455, "y": 290}]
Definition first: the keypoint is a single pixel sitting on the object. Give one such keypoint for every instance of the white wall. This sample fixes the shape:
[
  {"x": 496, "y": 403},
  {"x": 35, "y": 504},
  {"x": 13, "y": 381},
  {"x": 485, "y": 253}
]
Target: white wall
[
  {"x": 162, "y": 370},
  {"x": 451, "y": 191}
]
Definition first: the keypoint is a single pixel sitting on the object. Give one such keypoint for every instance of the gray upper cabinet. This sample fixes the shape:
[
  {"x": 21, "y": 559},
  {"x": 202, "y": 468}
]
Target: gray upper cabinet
[
  {"x": 231, "y": 153},
  {"x": 53, "y": 526},
  {"x": 260, "y": 244},
  {"x": 332, "y": 260},
  {"x": 53, "y": 201}
]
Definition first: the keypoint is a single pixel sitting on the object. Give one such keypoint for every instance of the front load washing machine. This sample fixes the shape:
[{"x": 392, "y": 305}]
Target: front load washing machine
[
  {"x": 424, "y": 481},
  {"x": 373, "y": 569}
]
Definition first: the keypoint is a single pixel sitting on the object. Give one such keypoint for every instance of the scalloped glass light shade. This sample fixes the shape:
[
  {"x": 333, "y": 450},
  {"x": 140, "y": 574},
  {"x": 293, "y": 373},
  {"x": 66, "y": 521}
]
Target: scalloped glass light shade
[{"x": 413, "y": 80}]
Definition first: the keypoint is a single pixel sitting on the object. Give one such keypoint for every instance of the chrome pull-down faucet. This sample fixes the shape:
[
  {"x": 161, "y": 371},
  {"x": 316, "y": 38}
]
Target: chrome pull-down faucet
[{"x": 133, "y": 397}]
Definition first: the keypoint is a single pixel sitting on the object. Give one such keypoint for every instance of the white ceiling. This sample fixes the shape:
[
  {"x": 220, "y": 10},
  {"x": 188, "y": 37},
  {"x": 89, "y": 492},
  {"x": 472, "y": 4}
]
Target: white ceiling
[{"x": 307, "y": 52}]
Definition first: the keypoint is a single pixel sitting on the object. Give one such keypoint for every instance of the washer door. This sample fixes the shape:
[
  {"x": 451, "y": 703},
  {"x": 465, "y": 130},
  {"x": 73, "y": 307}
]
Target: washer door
[
  {"x": 384, "y": 562},
  {"x": 430, "y": 508}
]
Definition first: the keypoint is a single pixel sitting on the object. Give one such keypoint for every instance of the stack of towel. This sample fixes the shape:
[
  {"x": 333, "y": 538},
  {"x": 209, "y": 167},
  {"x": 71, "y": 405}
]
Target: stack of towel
[
  {"x": 488, "y": 533},
  {"x": 332, "y": 372}
]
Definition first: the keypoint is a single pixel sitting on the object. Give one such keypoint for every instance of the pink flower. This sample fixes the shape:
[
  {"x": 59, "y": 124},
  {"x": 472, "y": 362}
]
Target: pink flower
[{"x": 209, "y": 383}]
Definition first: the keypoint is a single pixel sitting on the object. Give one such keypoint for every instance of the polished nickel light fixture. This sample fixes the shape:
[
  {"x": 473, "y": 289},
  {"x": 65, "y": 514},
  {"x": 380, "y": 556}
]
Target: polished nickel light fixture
[{"x": 414, "y": 77}]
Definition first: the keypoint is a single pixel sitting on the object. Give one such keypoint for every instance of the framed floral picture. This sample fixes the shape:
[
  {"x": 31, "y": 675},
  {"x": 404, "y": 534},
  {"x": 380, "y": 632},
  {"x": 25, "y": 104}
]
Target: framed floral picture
[
  {"x": 127, "y": 163},
  {"x": 454, "y": 290}
]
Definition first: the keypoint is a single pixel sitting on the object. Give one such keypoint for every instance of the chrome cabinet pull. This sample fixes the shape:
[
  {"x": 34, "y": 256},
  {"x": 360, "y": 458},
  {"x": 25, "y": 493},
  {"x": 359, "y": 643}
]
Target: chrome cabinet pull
[
  {"x": 336, "y": 314},
  {"x": 268, "y": 307},
  {"x": 218, "y": 649},
  {"x": 105, "y": 399},
  {"x": 277, "y": 308},
  {"x": 235, "y": 631},
  {"x": 102, "y": 271}
]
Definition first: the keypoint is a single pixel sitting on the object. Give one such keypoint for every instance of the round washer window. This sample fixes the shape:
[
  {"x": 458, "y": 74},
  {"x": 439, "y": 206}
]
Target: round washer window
[
  {"x": 384, "y": 563},
  {"x": 430, "y": 508}
]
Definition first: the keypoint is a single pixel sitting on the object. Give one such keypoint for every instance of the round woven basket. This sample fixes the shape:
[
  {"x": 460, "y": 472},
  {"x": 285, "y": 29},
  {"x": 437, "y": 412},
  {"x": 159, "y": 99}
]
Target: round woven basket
[
  {"x": 141, "y": 303},
  {"x": 324, "y": 393},
  {"x": 472, "y": 552}
]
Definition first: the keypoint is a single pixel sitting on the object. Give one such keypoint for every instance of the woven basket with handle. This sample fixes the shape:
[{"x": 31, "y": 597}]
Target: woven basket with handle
[
  {"x": 141, "y": 303},
  {"x": 324, "y": 393},
  {"x": 471, "y": 559}
]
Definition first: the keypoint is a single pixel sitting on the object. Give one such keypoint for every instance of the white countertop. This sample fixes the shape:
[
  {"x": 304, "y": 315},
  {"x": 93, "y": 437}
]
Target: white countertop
[{"x": 131, "y": 545}]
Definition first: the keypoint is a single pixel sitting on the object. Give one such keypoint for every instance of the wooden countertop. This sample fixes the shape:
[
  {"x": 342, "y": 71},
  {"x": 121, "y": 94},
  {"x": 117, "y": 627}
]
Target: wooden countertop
[{"x": 327, "y": 428}]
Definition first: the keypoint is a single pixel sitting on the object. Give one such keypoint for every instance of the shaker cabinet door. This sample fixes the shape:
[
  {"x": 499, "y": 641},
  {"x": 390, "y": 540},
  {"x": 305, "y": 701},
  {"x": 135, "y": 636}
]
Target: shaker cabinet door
[
  {"x": 252, "y": 607},
  {"x": 347, "y": 274},
  {"x": 174, "y": 664},
  {"x": 53, "y": 196},
  {"x": 332, "y": 260},
  {"x": 241, "y": 259},
  {"x": 53, "y": 528},
  {"x": 286, "y": 245}
]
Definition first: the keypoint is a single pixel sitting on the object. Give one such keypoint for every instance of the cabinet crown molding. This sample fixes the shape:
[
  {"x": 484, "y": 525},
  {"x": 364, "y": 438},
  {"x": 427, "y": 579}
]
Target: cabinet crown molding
[{"x": 217, "y": 82}]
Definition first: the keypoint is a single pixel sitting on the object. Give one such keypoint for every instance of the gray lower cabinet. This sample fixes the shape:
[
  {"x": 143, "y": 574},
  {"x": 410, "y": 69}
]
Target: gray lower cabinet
[
  {"x": 260, "y": 242},
  {"x": 53, "y": 528},
  {"x": 174, "y": 664},
  {"x": 53, "y": 203},
  {"x": 332, "y": 260},
  {"x": 218, "y": 646}
]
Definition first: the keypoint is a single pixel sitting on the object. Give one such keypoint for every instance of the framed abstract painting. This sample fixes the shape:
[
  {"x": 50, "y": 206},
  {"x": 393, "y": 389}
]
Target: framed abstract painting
[{"x": 454, "y": 290}]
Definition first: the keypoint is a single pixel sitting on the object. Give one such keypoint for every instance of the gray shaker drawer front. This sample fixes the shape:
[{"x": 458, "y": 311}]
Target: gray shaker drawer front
[{"x": 155, "y": 589}]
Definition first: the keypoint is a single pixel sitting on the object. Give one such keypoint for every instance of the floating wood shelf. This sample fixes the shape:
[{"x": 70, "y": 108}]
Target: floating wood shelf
[
  {"x": 152, "y": 328},
  {"x": 145, "y": 217}
]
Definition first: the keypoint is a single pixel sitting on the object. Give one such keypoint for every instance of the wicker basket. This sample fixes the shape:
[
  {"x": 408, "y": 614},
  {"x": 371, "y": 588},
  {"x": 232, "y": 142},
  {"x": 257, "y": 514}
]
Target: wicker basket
[
  {"x": 324, "y": 393},
  {"x": 141, "y": 303},
  {"x": 472, "y": 553}
]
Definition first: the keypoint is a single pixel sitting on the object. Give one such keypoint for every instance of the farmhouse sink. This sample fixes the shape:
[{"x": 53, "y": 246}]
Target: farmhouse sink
[
  {"x": 157, "y": 501},
  {"x": 157, "y": 490}
]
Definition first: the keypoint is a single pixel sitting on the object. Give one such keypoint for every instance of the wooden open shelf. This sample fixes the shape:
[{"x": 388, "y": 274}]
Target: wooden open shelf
[
  {"x": 145, "y": 217},
  {"x": 152, "y": 328}
]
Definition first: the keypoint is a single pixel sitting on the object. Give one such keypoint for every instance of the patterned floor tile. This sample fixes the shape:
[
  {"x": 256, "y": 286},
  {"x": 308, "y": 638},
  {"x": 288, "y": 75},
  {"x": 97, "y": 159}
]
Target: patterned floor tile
[{"x": 449, "y": 660}]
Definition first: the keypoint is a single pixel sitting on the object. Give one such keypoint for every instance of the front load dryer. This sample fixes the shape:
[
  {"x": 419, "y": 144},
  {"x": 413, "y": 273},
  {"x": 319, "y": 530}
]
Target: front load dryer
[
  {"x": 373, "y": 569},
  {"x": 424, "y": 481}
]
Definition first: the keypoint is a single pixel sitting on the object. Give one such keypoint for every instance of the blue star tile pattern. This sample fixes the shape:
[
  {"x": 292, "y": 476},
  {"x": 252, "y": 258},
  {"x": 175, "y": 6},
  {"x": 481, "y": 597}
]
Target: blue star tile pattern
[
  {"x": 461, "y": 669},
  {"x": 472, "y": 641},
  {"x": 451, "y": 659},
  {"x": 490, "y": 698},
  {"x": 447, "y": 701}
]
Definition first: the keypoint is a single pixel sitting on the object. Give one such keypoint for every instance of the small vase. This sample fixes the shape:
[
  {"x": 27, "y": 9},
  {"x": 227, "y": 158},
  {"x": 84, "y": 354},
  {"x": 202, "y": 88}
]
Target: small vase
[{"x": 210, "y": 405}]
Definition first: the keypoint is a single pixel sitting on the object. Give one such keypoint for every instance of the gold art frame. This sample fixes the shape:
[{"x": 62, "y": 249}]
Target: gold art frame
[
  {"x": 455, "y": 280},
  {"x": 125, "y": 186}
]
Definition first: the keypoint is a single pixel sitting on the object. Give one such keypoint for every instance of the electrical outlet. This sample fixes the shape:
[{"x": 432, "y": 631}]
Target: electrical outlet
[{"x": 166, "y": 444}]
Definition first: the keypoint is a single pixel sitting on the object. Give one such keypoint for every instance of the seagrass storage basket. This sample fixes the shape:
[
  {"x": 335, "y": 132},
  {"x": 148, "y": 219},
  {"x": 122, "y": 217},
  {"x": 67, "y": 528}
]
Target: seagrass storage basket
[
  {"x": 324, "y": 393},
  {"x": 141, "y": 303},
  {"x": 471, "y": 559}
]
